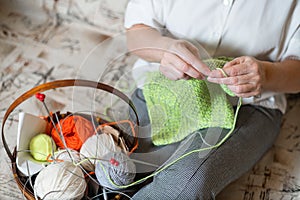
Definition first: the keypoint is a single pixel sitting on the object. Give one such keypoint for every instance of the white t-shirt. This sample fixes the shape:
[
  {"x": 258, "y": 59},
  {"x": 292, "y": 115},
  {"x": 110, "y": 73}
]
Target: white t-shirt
[{"x": 265, "y": 29}]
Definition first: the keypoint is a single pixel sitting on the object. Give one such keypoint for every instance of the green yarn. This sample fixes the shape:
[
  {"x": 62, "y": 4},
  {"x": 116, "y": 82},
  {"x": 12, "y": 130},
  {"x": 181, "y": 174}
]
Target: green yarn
[
  {"x": 41, "y": 146},
  {"x": 227, "y": 90},
  {"x": 218, "y": 63},
  {"x": 178, "y": 108}
]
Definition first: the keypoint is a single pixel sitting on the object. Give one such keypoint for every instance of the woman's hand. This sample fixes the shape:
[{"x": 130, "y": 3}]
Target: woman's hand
[
  {"x": 246, "y": 76},
  {"x": 179, "y": 59},
  {"x": 182, "y": 61}
]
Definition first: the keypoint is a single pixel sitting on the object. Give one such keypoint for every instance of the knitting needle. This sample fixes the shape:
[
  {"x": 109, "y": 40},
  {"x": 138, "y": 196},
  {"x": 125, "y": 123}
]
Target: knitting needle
[
  {"x": 104, "y": 194},
  {"x": 41, "y": 97}
]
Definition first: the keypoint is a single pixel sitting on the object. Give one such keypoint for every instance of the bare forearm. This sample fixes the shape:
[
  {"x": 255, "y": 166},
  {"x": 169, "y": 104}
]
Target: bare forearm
[
  {"x": 282, "y": 76},
  {"x": 147, "y": 43}
]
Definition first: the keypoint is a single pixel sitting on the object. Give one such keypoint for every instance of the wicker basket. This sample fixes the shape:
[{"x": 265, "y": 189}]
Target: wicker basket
[{"x": 19, "y": 177}]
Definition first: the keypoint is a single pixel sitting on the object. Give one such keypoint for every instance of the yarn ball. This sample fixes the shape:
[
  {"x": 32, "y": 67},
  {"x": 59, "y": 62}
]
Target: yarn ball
[
  {"x": 70, "y": 155},
  {"x": 60, "y": 180},
  {"x": 115, "y": 134},
  {"x": 41, "y": 146},
  {"x": 75, "y": 129},
  {"x": 95, "y": 148},
  {"x": 117, "y": 168}
]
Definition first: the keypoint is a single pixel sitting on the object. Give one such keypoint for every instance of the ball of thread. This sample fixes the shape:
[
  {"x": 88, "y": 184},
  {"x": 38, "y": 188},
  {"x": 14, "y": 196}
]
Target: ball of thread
[
  {"x": 60, "y": 180},
  {"x": 115, "y": 134},
  {"x": 41, "y": 146},
  {"x": 121, "y": 174},
  {"x": 96, "y": 147},
  {"x": 75, "y": 130},
  {"x": 70, "y": 155}
]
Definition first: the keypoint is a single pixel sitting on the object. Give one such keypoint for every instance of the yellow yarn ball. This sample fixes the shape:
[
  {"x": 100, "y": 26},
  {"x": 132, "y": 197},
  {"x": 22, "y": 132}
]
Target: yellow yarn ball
[{"x": 41, "y": 146}]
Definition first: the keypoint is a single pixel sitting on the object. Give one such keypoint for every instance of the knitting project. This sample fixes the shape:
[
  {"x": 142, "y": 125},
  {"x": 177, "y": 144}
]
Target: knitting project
[{"x": 178, "y": 108}]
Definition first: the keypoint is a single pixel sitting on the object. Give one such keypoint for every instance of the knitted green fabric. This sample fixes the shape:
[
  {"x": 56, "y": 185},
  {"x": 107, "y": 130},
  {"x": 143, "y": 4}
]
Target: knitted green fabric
[{"x": 178, "y": 108}]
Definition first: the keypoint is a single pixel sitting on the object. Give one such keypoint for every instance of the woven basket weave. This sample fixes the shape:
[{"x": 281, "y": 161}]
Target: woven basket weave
[{"x": 19, "y": 177}]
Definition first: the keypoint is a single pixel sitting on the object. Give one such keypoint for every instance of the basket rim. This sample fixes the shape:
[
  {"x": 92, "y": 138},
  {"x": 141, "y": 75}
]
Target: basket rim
[{"x": 59, "y": 84}]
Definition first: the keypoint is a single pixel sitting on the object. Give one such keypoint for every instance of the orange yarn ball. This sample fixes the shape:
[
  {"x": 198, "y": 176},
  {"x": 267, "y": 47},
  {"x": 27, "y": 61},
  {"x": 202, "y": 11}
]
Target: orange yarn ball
[{"x": 75, "y": 129}]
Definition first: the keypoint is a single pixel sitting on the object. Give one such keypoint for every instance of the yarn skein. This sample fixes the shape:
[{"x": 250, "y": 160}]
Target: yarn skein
[
  {"x": 41, "y": 146},
  {"x": 115, "y": 134},
  {"x": 117, "y": 169},
  {"x": 60, "y": 180},
  {"x": 70, "y": 155},
  {"x": 75, "y": 130},
  {"x": 96, "y": 147}
]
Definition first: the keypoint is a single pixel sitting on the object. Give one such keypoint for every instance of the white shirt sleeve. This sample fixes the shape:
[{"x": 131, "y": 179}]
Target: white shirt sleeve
[
  {"x": 292, "y": 47},
  {"x": 148, "y": 12}
]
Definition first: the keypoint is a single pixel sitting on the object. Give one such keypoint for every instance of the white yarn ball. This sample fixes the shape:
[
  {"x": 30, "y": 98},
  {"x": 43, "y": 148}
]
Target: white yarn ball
[
  {"x": 115, "y": 134},
  {"x": 60, "y": 180},
  {"x": 97, "y": 146},
  {"x": 72, "y": 155}
]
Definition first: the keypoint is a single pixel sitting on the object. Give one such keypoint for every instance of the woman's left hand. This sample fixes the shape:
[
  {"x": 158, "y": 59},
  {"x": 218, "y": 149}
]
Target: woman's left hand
[{"x": 246, "y": 76}]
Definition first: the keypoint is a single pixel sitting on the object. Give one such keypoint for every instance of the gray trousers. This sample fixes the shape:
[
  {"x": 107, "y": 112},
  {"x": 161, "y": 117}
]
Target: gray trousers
[{"x": 203, "y": 175}]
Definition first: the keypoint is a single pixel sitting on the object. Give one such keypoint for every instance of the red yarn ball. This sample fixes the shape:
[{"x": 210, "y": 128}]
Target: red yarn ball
[{"x": 75, "y": 129}]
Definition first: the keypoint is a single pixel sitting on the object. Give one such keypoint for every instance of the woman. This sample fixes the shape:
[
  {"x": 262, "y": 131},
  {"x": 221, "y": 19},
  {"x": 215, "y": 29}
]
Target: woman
[{"x": 264, "y": 38}]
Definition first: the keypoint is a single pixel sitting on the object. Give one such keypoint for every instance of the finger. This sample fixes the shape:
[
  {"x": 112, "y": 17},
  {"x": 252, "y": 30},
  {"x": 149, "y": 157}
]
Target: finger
[
  {"x": 193, "y": 60},
  {"x": 182, "y": 66},
  {"x": 238, "y": 69},
  {"x": 215, "y": 74},
  {"x": 245, "y": 90},
  {"x": 171, "y": 72},
  {"x": 232, "y": 68},
  {"x": 233, "y": 62},
  {"x": 194, "y": 50},
  {"x": 236, "y": 80},
  {"x": 220, "y": 72},
  {"x": 238, "y": 60},
  {"x": 240, "y": 89}
]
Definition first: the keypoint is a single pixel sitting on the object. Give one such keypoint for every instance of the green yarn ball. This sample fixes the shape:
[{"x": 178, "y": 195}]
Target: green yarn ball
[{"x": 41, "y": 146}]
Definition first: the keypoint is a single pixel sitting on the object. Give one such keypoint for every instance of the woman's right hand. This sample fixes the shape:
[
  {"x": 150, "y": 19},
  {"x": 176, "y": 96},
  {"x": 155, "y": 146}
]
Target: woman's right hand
[
  {"x": 182, "y": 61},
  {"x": 179, "y": 59}
]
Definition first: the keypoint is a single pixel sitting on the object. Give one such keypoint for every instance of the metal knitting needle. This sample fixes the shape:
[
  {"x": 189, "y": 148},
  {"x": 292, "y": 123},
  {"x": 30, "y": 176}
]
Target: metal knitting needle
[
  {"x": 104, "y": 194},
  {"x": 60, "y": 133},
  {"x": 41, "y": 97}
]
